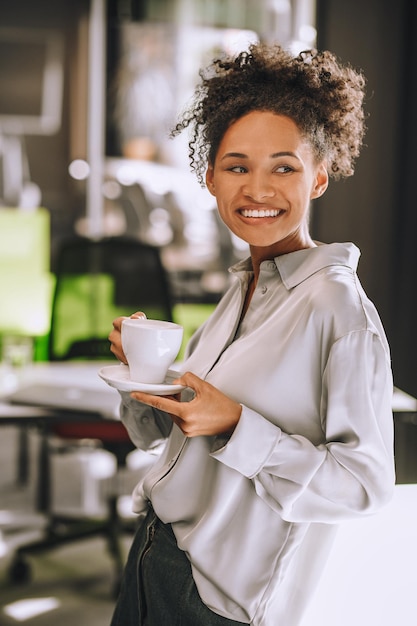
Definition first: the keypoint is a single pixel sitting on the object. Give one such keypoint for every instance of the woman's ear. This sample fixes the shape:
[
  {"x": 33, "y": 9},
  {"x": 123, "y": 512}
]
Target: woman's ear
[
  {"x": 209, "y": 180},
  {"x": 321, "y": 181}
]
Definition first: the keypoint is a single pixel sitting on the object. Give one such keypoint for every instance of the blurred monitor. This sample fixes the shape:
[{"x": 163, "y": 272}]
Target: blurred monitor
[
  {"x": 31, "y": 81},
  {"x": 24, "y": 241},
  {"x": 25, "y": 281}
]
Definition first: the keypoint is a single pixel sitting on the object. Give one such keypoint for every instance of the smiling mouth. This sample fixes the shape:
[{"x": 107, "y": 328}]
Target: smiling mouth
[{"x": 261, "y": 212}]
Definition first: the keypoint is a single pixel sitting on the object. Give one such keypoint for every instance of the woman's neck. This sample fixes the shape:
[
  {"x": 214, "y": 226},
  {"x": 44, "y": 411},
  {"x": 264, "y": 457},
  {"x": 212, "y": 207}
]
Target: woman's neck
[{"x": 268, "y": 253}]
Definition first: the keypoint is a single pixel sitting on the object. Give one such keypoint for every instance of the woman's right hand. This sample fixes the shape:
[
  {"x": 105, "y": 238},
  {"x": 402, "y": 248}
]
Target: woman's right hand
[{"x": 115, "y": 336}]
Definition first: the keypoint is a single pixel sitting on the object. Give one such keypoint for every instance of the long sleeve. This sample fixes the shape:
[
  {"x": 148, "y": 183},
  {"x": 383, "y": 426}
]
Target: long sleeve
[
  {"x": 351, "y": 472},
  {"x": 147, "y": 427}
]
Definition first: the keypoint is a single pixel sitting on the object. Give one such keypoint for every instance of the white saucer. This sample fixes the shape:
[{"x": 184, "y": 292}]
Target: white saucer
[{"x": 117, "y": 376}]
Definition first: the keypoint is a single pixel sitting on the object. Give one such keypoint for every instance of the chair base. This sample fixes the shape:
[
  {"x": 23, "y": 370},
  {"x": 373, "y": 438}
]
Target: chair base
[{"x": 63, "y": 530}]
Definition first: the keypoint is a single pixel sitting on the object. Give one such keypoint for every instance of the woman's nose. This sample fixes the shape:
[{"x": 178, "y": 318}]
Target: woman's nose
[{"x": 259, "y": 187}]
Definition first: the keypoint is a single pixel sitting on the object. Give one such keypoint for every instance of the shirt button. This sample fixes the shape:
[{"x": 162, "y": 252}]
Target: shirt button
[
  {"x": 145, "y": 419},
  {"x": 264, "y": 289}
]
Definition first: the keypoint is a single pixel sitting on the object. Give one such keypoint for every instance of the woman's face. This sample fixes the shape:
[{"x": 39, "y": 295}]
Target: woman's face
[{"x": 263, "y": 179}]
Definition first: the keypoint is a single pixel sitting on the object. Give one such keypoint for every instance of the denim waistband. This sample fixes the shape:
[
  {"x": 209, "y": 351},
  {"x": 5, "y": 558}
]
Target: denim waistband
[{"x": 152, "y": 519}]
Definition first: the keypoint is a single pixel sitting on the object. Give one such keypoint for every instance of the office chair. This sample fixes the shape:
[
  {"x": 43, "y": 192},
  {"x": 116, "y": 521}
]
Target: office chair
[{"x": 96, "y": 281}]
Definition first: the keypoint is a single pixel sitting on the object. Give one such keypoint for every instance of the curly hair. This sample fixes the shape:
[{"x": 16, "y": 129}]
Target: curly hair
[{"x": 323, "y": 97}]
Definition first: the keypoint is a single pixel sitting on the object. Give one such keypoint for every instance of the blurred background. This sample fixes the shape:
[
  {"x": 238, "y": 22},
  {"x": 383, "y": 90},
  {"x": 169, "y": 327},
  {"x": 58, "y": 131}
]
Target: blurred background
[{"x": 89, "y": 91}]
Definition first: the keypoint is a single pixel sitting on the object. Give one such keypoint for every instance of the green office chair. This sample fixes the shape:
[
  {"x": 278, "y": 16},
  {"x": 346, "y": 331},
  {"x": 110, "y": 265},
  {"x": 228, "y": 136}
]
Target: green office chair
[{"x": 98, "y": 280}]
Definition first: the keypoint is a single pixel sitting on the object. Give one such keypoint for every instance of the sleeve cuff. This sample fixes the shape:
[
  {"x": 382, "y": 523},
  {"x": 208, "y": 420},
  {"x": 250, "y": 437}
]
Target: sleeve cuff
[{"x": 251, "y": 444}]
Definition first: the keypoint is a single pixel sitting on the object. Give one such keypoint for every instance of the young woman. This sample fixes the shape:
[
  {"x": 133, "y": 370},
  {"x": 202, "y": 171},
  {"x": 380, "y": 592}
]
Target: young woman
[{"x": 285, "y": 429}]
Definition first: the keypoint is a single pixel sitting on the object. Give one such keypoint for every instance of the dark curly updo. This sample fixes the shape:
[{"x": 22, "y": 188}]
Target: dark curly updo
[{"x": 322, "y": 96}]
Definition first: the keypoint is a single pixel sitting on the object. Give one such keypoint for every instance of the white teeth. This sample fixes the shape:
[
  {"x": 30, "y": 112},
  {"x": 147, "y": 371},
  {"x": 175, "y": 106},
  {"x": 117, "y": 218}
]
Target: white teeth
[{"x": 260, "y": 212}]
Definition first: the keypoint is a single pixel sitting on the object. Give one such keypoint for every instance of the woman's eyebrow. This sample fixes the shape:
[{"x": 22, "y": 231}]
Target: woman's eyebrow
[
  {"x": 284, "y": 153},
  {"x": 275, "y": 155},
  {"x": 234, "y": 155}
]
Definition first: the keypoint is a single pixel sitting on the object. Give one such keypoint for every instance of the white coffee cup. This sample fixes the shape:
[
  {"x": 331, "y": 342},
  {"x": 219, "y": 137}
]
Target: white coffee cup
[{"x": 150, "y": 347}]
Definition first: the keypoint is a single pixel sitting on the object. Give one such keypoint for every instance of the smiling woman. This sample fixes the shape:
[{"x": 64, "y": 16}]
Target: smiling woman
[
  {"x": 264, "y": 177},
  {"x": 284, "y": 428}
]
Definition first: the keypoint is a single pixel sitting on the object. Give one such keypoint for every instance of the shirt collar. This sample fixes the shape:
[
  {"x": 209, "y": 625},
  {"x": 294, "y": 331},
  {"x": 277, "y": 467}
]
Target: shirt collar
[{"x": 297, "y": 266}]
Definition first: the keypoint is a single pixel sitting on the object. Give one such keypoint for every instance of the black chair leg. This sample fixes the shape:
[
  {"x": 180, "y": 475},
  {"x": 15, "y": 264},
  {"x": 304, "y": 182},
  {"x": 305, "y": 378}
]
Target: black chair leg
[{"x": 23, "y": 456}]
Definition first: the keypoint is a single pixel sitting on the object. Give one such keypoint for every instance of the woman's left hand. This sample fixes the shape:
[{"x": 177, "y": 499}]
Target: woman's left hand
[{"x": 210, "y": 412}]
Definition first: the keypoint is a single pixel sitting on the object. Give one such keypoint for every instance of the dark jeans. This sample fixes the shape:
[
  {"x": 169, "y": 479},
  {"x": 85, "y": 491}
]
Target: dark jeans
[{"x": 158, "y": 588}]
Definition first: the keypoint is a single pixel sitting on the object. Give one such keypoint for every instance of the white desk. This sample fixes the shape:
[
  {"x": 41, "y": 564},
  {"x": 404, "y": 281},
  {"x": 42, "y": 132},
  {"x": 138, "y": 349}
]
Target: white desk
[
  {"x": 76, "y": 375},
  {"x": 403, "y": 403},
  {"x": 79, "y": 376},
  {"x": 370, "y": 577},
  {"x": 54, "y": 529}
]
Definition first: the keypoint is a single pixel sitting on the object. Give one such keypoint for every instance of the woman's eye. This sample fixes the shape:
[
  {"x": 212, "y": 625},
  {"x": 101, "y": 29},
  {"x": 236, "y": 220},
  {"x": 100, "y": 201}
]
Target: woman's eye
[
  {"x": 284, "y": 169},
  {"x": 237, "y": 168}
]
